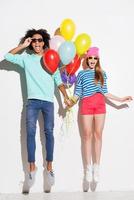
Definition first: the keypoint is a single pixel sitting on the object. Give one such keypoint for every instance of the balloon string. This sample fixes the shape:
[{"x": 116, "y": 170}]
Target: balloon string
[
  {"x": 70, "y": 94},
  {"x": 69, "y": 114}
]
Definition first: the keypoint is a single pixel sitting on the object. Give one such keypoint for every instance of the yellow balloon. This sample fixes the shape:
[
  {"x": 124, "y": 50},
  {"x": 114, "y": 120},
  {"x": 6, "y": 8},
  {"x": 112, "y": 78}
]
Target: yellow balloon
[
  {"x": 82, "y": 43},
  {"x": 67, "y": 29}
]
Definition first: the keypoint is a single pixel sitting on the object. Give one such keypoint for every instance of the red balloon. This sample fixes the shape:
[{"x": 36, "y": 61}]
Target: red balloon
[
  {"x": 51, "y": 60},
  {"x": 72, "y": 67}
]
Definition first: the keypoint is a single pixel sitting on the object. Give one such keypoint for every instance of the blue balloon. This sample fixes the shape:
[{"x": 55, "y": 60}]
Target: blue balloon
[{"x": 67, "y": 52}]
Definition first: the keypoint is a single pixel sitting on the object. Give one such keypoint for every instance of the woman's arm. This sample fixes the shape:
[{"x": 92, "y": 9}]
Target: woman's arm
[{"x": 120, "y": 99}]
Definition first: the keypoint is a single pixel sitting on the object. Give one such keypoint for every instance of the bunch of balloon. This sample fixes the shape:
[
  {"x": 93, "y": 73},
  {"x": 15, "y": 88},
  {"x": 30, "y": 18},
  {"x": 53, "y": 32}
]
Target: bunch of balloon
[
  {"x": 60, "y": 44},
  {"x": 64, "y": 53},
  {"x": 51, "y": 58},
  {"x": 82, "y": 44},
  {"x": 67, "y": 51},
  {"x": 68, "y": 75}
]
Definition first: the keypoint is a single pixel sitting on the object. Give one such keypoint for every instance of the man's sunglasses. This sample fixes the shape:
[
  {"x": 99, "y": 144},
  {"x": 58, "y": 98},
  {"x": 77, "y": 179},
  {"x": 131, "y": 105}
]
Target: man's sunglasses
[{"x": 37, "y": 40}]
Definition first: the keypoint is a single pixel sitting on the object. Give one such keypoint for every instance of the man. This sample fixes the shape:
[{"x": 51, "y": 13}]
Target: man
[{"x": 40, "y": 87}]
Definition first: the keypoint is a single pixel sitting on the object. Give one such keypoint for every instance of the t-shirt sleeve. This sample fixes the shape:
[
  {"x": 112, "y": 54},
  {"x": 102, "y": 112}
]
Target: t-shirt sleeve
[
  {"x": 57, "y": 78},
  {"x": 104, "y": 88},
  {"x": 78, "y": 86},
  {"x": 15, "y": 58}
]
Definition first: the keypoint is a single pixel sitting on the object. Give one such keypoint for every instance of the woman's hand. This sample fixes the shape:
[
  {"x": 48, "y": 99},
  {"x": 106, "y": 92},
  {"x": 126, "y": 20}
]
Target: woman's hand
[
  {"x": 119, "y": 99},
  {"x": 126, "y": 99}
]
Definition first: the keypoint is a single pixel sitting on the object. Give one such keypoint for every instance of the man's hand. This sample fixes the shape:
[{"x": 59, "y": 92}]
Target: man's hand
[
  {"x": 27, "y": 42},
  {"x": 67, "y": 102},
  {"x": 71, "y": 101}
]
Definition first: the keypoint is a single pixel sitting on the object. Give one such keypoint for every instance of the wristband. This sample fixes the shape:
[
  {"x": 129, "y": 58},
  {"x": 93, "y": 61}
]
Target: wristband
[{"x": 74, "y": 99}]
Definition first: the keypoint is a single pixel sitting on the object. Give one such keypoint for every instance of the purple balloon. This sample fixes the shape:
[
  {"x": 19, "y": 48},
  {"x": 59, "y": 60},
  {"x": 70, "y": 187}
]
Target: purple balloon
[{"x": 70, "y": 79}]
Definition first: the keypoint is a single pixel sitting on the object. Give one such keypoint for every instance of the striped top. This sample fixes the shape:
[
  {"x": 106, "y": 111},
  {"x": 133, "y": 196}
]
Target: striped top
[{"x": 85, "y": 84}]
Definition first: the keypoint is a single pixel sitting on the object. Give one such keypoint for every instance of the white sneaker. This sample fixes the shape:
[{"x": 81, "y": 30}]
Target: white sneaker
[
  {"x": 46, "y": 182},
  {"x": 85, "y": 185},
  {"x": 50, "y": 177},
  {"x": 88, "y": 174},
  {"x": 25, "y": 188},
  {"x": 96, "y": 176},
  {"x": 31, "y": 177}
]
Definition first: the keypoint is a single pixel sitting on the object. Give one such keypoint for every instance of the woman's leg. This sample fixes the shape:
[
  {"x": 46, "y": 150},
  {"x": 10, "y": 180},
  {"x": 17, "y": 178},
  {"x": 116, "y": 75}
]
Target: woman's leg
[
  {"x": 98, "y": 129},
  {"x": 85, "y": 126},
  {"x": 86, "y": 138}
]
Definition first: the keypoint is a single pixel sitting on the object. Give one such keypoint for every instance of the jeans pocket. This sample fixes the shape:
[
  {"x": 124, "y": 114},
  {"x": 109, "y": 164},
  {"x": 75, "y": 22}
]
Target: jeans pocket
[{"x": 30, "y": 101}]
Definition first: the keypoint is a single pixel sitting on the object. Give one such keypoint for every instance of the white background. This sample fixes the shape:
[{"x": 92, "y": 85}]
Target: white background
[{"x": 110, "y": 25}]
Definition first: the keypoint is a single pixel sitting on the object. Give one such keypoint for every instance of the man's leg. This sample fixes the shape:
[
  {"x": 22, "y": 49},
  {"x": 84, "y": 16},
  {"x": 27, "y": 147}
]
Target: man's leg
[
  {"x": 48, "y": 115},
  {"x": 32, "y": 112}
]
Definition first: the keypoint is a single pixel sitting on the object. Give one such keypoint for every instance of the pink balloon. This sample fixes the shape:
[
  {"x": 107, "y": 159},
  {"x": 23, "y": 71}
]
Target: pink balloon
[{"x": 56, "y": 41}]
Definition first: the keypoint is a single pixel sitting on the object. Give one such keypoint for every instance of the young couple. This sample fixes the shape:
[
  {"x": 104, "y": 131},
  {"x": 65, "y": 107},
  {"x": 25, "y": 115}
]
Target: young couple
[{"x": 91, "y": 90}]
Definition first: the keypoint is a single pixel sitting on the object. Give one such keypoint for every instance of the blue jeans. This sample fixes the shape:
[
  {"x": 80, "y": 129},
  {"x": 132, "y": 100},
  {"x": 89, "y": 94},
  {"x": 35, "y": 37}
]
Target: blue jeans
[{"x": 32, "y": 111}]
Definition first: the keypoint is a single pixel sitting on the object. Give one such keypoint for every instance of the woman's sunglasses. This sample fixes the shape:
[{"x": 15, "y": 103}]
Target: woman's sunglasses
[
  {"x": 95, "y": 58},
  {"x": 37, "y": 40}
]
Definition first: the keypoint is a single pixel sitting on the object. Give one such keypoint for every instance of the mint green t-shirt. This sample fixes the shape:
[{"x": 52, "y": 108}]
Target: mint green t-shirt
[{"x": 40, "y": 84}]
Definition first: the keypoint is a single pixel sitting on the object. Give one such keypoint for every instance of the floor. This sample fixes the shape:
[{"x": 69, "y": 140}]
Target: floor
[{"x": 71, "y": 196}]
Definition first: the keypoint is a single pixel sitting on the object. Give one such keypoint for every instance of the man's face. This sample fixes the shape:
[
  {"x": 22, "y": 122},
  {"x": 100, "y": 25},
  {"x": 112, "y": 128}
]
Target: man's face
[{"x": 37, "y": 43}]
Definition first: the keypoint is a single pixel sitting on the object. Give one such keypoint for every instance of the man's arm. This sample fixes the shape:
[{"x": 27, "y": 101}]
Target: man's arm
[
  {"x": 65, "y": 95},
  {"x": 21, "y": 46}
]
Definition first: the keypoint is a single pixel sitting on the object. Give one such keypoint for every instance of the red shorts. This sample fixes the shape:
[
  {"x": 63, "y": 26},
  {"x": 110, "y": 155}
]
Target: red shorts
[{"x": 93, "y": 105}]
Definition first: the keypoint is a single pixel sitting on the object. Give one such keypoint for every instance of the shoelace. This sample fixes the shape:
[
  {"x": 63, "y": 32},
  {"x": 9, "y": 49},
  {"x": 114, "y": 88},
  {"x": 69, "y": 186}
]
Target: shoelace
[
  {"x": 30, "y": 176},
  {"x": 52, "y": 173}
]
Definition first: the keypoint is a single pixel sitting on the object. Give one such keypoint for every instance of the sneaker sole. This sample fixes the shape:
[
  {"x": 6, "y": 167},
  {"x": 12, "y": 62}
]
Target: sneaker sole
[{"x": 47, "y": 191}]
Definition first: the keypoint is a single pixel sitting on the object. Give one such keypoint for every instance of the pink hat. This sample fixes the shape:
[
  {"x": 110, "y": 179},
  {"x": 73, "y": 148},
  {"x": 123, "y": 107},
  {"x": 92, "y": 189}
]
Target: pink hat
[{"x": 93, "y": 51}]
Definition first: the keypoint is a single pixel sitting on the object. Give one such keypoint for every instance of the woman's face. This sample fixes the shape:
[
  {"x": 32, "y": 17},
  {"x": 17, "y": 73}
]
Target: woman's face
[
  {"x": 92, "y": 61},
  {"x": 37, "y": 43}
]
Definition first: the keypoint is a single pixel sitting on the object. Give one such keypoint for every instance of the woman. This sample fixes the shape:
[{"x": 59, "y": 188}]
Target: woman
[{"x": 91, "y": 89}]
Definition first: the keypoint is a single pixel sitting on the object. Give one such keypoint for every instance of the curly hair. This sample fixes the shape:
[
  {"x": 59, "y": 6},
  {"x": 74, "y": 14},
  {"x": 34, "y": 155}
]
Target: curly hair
[{"x": 45, "y": 35}]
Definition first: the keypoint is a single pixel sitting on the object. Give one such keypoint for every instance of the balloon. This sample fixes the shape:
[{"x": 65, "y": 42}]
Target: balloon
[
  {"x": 82, "y": 43},
  {"x": 67, "y": 29},
  {"x": 57, "y": 31},
  {"x": 68, "y": 79},
  {"x": 72, "y": 67},
  {"x": 56, "y": 41},
  {"x": 67, "y": 52},
  {"x": 51, "y": 60},
  {"x": 61, "y": 65}
]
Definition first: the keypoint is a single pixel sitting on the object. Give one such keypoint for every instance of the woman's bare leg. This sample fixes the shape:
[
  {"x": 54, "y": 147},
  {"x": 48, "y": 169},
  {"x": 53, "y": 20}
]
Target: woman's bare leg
[
  {"x": 86, "y": 138},
  {"x": 98, "y": 129}
]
